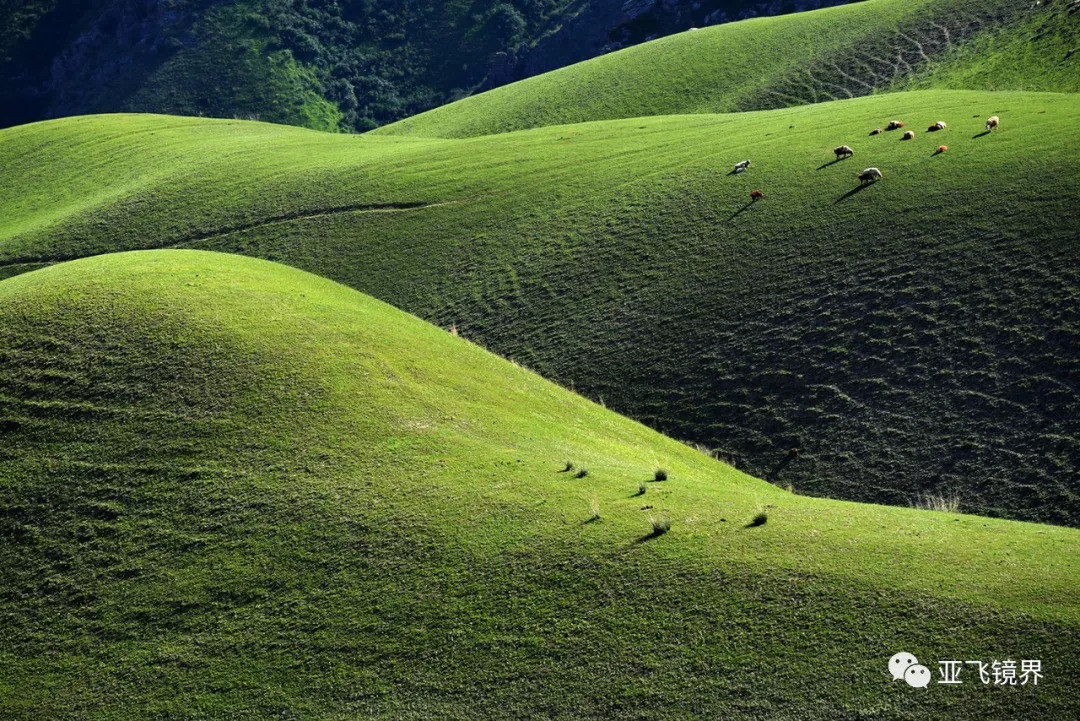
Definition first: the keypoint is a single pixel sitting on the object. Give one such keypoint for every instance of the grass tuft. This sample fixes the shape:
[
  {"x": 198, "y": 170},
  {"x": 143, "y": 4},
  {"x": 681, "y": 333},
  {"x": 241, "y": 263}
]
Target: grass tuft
[
  {"x": 660, "y": 475},
  {"x": 582, "y": 472},
  {"x": 759, "y": 519},
  {"x": 661, "y": 524},
  {"x": 937, "y": 502}
]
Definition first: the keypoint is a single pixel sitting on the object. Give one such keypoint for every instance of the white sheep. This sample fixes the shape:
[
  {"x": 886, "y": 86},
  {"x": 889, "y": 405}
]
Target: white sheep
[
  {"x": 869, "y": 174},
  {"x": 992, "y": 122}
]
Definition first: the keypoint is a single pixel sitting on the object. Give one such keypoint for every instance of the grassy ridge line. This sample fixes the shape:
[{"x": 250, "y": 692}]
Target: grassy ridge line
[
  {"x": 137, "y": 153},
  {"x": 621, "y": 258},
  {"x": 705, "y": 70},
  {"x": 828, "y": 54},
  {"x": 234, "y": 489}
]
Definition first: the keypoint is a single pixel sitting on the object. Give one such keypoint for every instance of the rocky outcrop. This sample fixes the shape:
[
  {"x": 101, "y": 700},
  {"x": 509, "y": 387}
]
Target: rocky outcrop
[{"x": 97, "y": 53}]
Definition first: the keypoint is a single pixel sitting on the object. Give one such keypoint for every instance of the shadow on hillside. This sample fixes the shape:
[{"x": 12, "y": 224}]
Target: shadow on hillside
[
  {"x": 772, "y": 475},
  {"x": 832, "y": 162},
  {"x": 741, "y": 210},
  {"x": 857, "y": 189},
  {"x": 979, "y": 135}
]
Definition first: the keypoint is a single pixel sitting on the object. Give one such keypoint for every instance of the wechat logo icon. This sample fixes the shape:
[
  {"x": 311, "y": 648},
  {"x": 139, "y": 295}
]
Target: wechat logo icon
[{"x": 905, "y": 666}]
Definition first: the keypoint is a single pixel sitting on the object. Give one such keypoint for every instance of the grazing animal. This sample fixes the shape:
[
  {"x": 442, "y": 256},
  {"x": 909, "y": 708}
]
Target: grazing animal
[
  {"x": 939, "y": 125},
  {"x": 875, "y": 131},
  {"x": 741, "y": 166},
  {"x": 894, "y": 125},
  {"x": 942, "y": 148},
  {"x": 843, "y": 151},
  {"x": 756, "y": 195},
  {"x": 992, "y": 122},
  {"x": 868, "y": 175},
  {"x": 909, "y": 135}
]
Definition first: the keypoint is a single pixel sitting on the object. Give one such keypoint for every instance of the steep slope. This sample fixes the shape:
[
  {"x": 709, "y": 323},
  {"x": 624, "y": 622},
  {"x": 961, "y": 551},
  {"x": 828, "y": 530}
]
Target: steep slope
[
  {"x": 234, "y": 490},
  {"x": 810, "y": 57},
  {"x": 590, "y": 28},
  {"x": 915, "y": 336}
]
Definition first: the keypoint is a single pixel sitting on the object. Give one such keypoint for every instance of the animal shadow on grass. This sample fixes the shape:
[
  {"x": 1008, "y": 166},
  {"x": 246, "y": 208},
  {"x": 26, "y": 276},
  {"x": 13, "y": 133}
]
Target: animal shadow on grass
[
  {"x": 857, "y": 189},
  {"x": 979, "y": 135},
  {"x": 832, "y": 162},
  {"x": 741, "y": 210}
]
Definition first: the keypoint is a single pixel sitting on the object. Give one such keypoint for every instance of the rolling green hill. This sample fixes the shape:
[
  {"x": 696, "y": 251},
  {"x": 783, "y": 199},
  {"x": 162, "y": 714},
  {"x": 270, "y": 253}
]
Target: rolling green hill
[
  {"x": 230, "y": 489},
  {"x": 915, "y": 336},
  {"x": 830, "y": 54}
]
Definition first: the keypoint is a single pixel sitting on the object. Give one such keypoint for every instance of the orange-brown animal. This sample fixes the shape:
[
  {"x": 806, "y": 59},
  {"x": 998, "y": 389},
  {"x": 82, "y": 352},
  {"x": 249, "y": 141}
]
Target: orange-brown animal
[
  {"x": 909, "y": 135},
  {"x": 869, "y": 175},
  {"x": 843, "y": 151},
  {"x": 894, "y": 125},
  {"x": 992, "y": 122},
  {"x": 942, "y": 148},
  {"x": 756, "y": 195}
]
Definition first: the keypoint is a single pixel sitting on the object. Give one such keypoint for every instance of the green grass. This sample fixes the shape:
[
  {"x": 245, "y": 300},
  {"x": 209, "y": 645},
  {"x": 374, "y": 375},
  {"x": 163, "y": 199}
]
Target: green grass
[
  {"x": 1037, "y": 53},
  {"x": 829, "y": 54},
  {"x": 231, "y": 489},
  {"x": 912, "y": 337}
]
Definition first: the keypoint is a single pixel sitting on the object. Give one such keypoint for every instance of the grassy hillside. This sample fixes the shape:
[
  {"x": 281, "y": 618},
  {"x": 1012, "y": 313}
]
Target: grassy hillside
[
  {"x": 810, "y": 57},
  {"x": 234, "y": 490},
  {"x": 914, "y": 336}
]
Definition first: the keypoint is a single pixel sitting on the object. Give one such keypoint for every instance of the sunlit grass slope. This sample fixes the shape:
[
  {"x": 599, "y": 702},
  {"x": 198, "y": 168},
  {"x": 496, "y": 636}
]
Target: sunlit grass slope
[
  {"x": 915, "y": 336},
  {"x": 230, "y": 489},
  {"x": 830, "y": 54}
]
